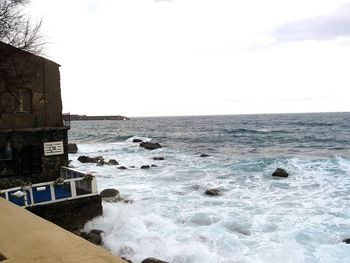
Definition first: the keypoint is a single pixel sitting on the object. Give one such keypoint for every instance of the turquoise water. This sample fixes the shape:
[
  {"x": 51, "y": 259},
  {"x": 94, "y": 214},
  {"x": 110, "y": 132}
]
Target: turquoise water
[{"x": 256, "y": 218}]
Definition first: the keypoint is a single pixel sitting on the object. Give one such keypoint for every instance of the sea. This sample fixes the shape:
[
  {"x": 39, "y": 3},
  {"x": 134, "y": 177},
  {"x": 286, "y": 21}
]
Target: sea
[{"x": 255, "y": 218}]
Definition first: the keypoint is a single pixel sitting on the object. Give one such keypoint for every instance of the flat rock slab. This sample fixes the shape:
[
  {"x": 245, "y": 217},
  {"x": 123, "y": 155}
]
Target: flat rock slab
[
  {"x": 212, "y": 192},
  {"x": 87, "y": 159},
  {"x": 153, "y": 260},
  {"x": 150, "y": 145},
  {"x": 158, "y": 158}
]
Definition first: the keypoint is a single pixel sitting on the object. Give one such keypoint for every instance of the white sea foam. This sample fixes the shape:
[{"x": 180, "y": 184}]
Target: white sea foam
[{"x": 257, "y": 218}]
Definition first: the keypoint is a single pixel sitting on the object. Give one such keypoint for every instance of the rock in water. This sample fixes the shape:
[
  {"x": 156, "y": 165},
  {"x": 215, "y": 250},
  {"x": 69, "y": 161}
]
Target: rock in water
[
  {"x": 280, "y": 173},
  {"x": 204, "y": 155},
  {"x": 101, "y": 163},
  {"x": 137, "y": 140},
  {"x": 150, "y": 145},
  {"x": 72, "y": 148},
  {"x": 94, "y": 236},
  {"x": 113, "y": 162},
  {"x": 87, "y": 159},
  {"x": 110, "y": 195},
  {"x": 145, "y": 167},
  {"x": 158, "y": 158},
  {"x": 127, "y": 260},
  {"x": 346, "y": 240},
  {"x": 212, "y": 192},
  {"x": 153, "y": 260}
]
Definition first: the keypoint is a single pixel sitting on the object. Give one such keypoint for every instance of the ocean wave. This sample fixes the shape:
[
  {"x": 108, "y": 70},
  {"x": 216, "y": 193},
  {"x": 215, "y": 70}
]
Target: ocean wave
[{"x": 252, "y": 131}]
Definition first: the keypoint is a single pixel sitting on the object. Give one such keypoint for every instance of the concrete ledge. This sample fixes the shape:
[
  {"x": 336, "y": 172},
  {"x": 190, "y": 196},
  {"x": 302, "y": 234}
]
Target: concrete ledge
[{"x": 26, "y": 237}]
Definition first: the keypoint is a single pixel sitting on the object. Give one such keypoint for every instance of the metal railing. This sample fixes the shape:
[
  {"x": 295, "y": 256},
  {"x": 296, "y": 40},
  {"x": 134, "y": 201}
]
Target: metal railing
[{"x": 71, "y": 185}]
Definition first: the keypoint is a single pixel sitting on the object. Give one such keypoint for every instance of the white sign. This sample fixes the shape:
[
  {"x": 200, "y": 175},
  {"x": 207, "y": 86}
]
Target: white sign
[{"x": 53, "y": 148}]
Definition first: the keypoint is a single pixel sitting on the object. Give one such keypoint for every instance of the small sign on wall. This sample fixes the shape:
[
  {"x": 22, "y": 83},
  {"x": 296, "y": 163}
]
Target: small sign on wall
[{"x": 53, "y": 148}]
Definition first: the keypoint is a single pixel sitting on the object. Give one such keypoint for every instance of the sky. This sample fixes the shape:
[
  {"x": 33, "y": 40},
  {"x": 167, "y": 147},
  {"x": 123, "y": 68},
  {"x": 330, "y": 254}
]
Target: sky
[{"x": 199, "y": 57}]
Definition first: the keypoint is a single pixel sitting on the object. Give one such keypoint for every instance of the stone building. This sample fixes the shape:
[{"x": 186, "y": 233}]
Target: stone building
[{"x": 33, "y": 134}]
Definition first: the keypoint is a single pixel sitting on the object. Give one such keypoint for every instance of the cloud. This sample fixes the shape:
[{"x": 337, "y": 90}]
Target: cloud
[
  {"x": 325, "y": 27},
  {"x": 91, "y": 7}
]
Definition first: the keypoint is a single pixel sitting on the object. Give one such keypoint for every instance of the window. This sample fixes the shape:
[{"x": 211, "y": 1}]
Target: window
[
  {"x": 24, "y": 100},
  {"x": 8, "y": 160},
  {"x": 19, "y": 100},
  {"x": 6, "y": 152}
]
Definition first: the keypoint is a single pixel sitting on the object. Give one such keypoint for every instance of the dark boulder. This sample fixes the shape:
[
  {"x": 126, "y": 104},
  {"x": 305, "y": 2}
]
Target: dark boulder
[
  {"x": 87, "y": 159},
  {"x": 122, "y": 168},
  {"x": 280, "y": 173},
  {"x": 94, "y": 237},
  {"x": 153, "y": 260},
  {"x": 137, "y": 140},
  {"x": 154, "y": 165},
  {"x": 212, "y": 192},
  {"x": 204, "y": 155},
  {"x": 127, "y": 260},
  {"x": 346, "y": 240},
  {"x": 113, "y": 162},
  {"x": 110, "y": 195},
  {"x": 150, "y": 145},
  {"x": 158, "y": 158},
  {"x": 145, "y": 167},
  {"x": 72, "y": 148},
  {"x": 101, "y": 163}
]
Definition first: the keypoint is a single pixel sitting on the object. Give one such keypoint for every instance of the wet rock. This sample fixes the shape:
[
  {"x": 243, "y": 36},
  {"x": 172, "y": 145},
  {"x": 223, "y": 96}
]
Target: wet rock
[
  {"x": 126, "y": 250},
  {"x": 87, "y": 159},
  {"x": 2, "y": 257},
  {"x": 127, "y": 260},
  {"x": 204, "y": 155},
  {"x": 128, "y": 201},
  {"x": 154, "y": 165},
  {"x": 110, "y": 195},
  {"x": 137, "y": 140},
  {"x": 145, "y": 167},
  {"x": 72, "y": 148},
  {"x": 153, "y": 260},
  {"x": 132, "y": 166},
  {"x": 346, "y": 240},
  {"x": 83, "y": 235},
  {"x": 94, "y": 237},
  {"x": 150, "y": 145},
  {"x": 113, "y": 162},
  {"x": 122, "y": 168},
  {"x": 212, "y": 192},
  {"x": 158, "y": 158},
  {"x": 101, "y": 163},
  {"x": 280, "y": 173}
]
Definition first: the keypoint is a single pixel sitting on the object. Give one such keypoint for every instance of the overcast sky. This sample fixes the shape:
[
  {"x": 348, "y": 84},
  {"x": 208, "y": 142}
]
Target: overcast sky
[{"x": 195, "y": 57}]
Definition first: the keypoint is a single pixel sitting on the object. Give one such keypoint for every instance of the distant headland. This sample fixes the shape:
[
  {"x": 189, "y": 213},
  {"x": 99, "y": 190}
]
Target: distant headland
[{"x": 76, "y": 117}]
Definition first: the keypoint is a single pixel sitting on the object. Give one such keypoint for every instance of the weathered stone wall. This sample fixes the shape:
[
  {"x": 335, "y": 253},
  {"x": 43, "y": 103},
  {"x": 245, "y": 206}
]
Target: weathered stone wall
[
  {"x": 71, "y": 215},
  {"x": 50, "y": 165},
  {"x": 20, "y": 69}
]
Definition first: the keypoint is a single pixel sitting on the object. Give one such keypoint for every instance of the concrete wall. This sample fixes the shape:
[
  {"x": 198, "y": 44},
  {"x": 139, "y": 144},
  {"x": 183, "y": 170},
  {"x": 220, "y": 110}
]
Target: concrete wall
[
  {"x": 72, "y": 214},
  {"x": 28, "y": 238}
]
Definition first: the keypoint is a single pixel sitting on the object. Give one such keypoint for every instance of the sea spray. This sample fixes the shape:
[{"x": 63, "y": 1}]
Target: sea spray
[{"x": 256, "y": 217}]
